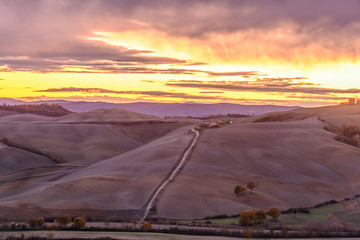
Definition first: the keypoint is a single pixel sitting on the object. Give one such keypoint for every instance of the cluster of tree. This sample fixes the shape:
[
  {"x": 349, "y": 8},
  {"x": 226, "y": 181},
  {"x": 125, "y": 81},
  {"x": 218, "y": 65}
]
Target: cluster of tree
[
  {"x": 78, "y": 222},
  {"x": 63, "y": 221},
  {"x": 283, "y": 117},
  {"x": 32, "y": 149},
  {"x": 242, "y": 188},
  {"x": 229, "y": 115},
  {"x": 36, "y": 222},
  {"x": 52, "y": 110},
  {"x": 349, "y": 135},
  {"x": 247, "y": 217}
]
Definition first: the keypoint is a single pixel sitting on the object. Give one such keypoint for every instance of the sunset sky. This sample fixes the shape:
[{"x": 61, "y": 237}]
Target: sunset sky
[{"x": 284, "y": 52}]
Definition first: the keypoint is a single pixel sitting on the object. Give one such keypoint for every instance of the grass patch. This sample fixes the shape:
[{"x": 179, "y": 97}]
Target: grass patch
[
  {"x": 224, "y": 220},
  {"x": 321, "y": 214},
  {"x": 352, "y": 217}
]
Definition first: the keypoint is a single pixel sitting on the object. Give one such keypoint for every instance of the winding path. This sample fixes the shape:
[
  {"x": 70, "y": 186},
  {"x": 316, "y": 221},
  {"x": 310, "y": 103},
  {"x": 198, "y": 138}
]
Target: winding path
[{"x": 170, "y": 177}]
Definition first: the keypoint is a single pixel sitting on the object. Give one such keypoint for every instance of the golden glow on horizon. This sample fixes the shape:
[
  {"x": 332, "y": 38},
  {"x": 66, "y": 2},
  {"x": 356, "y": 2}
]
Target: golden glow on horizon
[{"x": 324, "y": 74}]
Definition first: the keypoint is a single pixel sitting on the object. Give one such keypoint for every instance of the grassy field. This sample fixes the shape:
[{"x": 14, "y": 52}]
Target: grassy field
[{"x": 324, "y": 214}]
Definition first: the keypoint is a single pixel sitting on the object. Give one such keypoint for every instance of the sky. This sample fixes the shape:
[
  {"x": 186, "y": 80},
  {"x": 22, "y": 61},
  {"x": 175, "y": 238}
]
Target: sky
[{"x": 283, "y": 52}]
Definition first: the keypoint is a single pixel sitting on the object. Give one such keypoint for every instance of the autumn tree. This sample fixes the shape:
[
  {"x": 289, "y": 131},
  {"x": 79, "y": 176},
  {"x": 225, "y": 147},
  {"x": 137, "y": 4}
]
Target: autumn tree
[
  {"x": 32, "y": 222},
  {"x": 274, "y": 212},
  {"x": 242, "y": 189},
  {"x": 146, "y": 226},
  {"x": 260, "y": 215},
  {"x": 40, "y": 222},
  {"x": 246, "y": 217},
  {"x": 251, "y": 186},
  {"x": 64, "y": 220},
  {"x": 79, "y": 223},
  {"x": 239, "y": 189}
]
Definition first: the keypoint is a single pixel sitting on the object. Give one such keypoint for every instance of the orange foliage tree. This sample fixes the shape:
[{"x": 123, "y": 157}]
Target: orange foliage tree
[
  {"x": 246, "y": 217},
  {"x": 274, "y": 212},
  {"x": 146, "y": 226},
  {"x": 239, "y": 189},
  {"x": 251, "y": 186},
  {"x": 260, "y": 215}
]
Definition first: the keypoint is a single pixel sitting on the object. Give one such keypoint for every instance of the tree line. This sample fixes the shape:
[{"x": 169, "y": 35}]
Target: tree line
[
  {"x": 247, "y": 217},
  {"x": 61, "y": 222},
  {"x": 52, "y": 110}
]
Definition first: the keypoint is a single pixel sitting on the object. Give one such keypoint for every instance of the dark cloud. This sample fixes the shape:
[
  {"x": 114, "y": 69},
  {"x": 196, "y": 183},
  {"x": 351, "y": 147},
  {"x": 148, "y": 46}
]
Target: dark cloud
[
  {"x": 211, "y": 92},
  {"x": 241, "y": 73},
  {"x": 312, "y": 97},
  {"x": 73, "y": 89},
  {"x": 45, "y": 30},
  {"x": 266, "y": 85},
  {"x": 232, "y": 15},
  {"x": 143, "y": 93},
  {"x": 121, "y": 96},
  {"x": 88, "y": 55}
]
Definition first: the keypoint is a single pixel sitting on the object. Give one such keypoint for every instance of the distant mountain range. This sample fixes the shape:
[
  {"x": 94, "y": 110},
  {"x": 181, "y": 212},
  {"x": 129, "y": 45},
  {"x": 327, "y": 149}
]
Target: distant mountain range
[{"x": 162, "y": 109}]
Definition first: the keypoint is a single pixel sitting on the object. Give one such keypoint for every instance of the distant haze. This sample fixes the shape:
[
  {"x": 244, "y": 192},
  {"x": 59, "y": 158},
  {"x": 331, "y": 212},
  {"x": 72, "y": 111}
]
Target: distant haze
[{"x": 163, "y": 109}]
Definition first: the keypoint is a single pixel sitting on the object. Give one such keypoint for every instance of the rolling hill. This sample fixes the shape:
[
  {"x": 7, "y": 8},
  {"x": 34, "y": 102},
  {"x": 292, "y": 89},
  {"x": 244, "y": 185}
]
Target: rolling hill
[
  {"x": 115, "y": 159},
  {"x": 161, "y": 109}
]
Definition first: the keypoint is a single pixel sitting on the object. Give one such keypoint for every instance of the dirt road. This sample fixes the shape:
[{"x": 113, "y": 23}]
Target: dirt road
[{"x": 170, "y": 177}]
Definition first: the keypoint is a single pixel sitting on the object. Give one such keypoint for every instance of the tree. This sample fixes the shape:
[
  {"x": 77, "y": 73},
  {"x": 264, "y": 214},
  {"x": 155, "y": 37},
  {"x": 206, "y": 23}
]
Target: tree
[
  {"x": 32, "y": 222},
  {"x": 260, "y": 215},
  {"x": 79, "y": 223},
  {"x": 40, "y": 222},
  {"x": 242, "y": 189},
  {"x": 251, "y": 186},
  {"x": 274, "y": 212},
  {"x": 64, "y": 220},
  {"x": 239, "y": 189},
  {"x": 146, "y": 226},
  {"x": 246, "y": 217}
]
